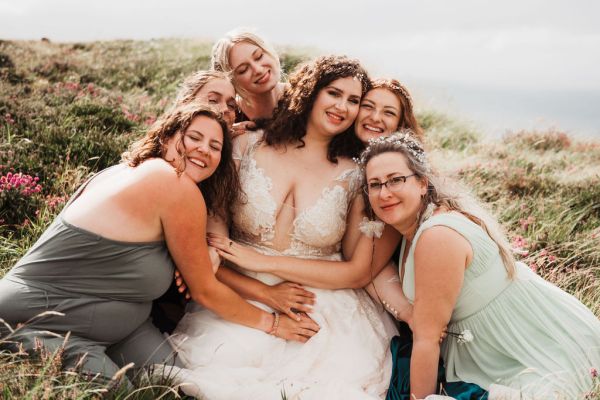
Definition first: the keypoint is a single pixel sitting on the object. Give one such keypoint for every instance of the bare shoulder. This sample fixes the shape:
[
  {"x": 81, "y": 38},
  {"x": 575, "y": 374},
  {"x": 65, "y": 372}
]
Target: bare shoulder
[
  {"x": 442, "y": 243},
  {"x": 158, "y": 179}
]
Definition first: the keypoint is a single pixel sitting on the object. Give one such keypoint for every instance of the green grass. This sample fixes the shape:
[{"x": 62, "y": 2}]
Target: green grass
[{"x": 68, "y": 110}]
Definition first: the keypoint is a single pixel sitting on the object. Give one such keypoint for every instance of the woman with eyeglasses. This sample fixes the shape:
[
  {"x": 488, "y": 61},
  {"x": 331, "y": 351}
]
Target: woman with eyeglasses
[{"x": 509, "y": 331}]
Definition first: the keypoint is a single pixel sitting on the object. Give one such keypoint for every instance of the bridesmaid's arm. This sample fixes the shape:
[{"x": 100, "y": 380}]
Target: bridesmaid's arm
[
  {"x": 441, "y": 255},
  {"x": 182, "y": 214},
  {"x": 354, "y": 273}
]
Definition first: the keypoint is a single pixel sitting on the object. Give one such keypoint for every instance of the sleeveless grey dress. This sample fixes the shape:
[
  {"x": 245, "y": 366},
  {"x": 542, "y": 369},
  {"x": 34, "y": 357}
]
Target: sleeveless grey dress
[{"x": 103, "y": 287}]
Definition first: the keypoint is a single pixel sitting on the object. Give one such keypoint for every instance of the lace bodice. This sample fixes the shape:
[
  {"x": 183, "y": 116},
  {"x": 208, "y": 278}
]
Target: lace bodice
[{"x": 317, "y": 231}]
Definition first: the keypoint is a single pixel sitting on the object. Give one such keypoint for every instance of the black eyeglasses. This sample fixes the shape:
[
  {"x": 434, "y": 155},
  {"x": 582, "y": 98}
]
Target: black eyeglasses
[{"x": 393, "y": 184}]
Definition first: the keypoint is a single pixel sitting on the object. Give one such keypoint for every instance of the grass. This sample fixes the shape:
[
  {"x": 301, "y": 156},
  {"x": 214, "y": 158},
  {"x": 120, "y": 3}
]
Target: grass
[{"x": 69, "y": 109}]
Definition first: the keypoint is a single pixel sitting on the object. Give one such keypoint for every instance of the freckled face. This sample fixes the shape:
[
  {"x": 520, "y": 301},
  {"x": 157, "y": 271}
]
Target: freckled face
[
  {"x": 254, "y": 70},
  {"x": 201, "y": 144},
  {"x": 336, "y": 106},
  {"x": 398, "y": 207},
  {"x": 379, "y": 115}
]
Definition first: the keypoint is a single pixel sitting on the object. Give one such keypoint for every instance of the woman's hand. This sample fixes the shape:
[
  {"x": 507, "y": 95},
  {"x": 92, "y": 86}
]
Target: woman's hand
[
  {"x": 181, "y": 286},
  {"x": 215, "y": 259},
  {"x": 238, "y": 254},
  {"x": 299, "y": 331},
  {"x": 289, "y": 298},
  {"x": 242, "y": 127}
]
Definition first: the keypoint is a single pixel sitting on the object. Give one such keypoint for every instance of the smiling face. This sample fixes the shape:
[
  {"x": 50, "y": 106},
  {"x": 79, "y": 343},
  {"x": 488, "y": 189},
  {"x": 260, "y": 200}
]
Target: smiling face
[
  {"x": 379, "y": 115},
  {"x": 200, "y": 145},
  {"x": 254, "y": 70},
  {"x": 220, "y": 94},
  {"x": 335, "y": 107},
  {"x": 401, "y": 206}
]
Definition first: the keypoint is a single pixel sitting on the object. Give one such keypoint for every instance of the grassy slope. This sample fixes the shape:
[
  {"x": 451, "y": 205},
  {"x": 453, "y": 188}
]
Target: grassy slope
[{"x": 70, "y": 109}]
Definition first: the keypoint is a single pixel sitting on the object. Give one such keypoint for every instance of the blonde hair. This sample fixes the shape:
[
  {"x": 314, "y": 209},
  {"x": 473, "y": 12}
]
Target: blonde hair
[
  {"x": 219, "y": 58},
  {"x": 188, "y": 91},
  {"x": 441, "y": 191}
]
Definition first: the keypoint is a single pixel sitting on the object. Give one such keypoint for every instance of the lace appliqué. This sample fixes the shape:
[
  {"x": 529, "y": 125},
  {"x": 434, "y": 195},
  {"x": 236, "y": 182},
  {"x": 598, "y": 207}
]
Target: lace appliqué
[
  {"x": 319, "y": 230},
  {"x": 371, "y": 228},
  {"x": 256, "y": 216}
]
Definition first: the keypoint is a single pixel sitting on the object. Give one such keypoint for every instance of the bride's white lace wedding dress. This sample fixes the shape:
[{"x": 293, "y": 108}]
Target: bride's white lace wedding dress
[{"x": 347, "y": 359}]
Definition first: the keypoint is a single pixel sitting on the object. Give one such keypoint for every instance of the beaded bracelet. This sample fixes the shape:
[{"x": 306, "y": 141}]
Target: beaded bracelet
[
  {"x": 391, "y": 309},
  {"x": 273, "y": 330}
]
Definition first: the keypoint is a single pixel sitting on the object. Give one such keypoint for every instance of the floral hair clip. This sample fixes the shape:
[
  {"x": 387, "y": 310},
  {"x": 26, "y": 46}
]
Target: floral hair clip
[{"x": 403, "y": 138}]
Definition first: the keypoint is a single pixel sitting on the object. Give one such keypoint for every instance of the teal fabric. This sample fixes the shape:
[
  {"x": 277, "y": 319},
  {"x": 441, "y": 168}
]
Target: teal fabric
[
  {"x": 528, "y": 334},
  {"x": 401, "y": 348}
]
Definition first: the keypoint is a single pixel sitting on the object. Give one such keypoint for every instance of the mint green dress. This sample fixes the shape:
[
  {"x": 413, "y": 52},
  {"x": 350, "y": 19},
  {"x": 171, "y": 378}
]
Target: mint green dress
[{"x": 528, "y": 334}]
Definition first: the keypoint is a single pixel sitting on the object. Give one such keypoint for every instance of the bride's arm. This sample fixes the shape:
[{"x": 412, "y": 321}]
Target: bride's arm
[{"x": 354, "y": 273}]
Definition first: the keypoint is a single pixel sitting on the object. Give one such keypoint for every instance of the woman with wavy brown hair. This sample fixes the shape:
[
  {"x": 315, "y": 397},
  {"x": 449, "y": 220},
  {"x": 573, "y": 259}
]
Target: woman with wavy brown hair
[
  {"x": 87, "y": 284},
  {"x": 300, "y": 186}
]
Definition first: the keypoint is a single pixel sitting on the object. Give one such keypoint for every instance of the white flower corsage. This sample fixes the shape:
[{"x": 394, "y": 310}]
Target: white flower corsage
[
  {"x": 465, "y": 336},
  {"x": 371, "y": 228}
]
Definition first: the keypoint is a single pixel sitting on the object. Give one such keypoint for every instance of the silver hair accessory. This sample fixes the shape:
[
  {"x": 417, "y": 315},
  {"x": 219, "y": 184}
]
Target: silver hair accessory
[
  {"x": 402, "y": 138},
  {"x": 404, "y": 93}
]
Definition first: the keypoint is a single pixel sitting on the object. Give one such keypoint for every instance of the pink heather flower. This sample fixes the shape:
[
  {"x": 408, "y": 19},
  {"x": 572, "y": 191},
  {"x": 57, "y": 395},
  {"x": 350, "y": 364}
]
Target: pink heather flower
[
  {"x": 54, "y": 201},
  {"x": 551, "y": 258},
  {"x": 26, "y": 184},
  {"x": 594, "y": 372},
  {"x": 533, "y": 266},
  {"x": 519, "y": 242},
  {"x": 150, "y": 120},
  {"x": 9, "y": 119},
  {"x": 526, "y": 222}
]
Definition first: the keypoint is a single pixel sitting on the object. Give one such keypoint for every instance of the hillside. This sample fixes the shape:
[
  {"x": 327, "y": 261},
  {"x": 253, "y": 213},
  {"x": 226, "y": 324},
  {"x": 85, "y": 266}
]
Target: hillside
[{"x": 67, "y": 110}]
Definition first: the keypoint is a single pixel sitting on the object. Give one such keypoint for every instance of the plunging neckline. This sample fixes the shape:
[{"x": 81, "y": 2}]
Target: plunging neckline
[{"x": 269, "y": 187}]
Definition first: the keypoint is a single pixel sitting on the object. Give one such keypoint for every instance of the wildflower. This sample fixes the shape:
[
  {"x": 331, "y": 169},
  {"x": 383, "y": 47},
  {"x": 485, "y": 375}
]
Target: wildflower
[
  {"x": 533, "y": 266},
  {"x": 594, "y": 372},
  {"x": 526, "y": 222},
  {"x": 519, "y": 244},
  {"x": 150, "y": 120},
  {"x": 465, "y": 336},
  {"x": 9, "y": 119}
]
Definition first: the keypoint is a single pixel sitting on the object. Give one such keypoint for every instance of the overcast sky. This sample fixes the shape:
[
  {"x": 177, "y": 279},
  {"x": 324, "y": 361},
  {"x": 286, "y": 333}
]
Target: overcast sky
[{"x": 504, "y": 64}]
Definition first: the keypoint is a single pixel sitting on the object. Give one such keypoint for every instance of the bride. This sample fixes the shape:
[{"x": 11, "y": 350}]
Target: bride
[{"x": 301, "y": 187}]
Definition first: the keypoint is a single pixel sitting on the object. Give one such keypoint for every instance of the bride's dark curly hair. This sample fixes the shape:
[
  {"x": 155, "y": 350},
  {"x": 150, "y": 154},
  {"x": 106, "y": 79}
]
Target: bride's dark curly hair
[{"x": 290, "y": 118}]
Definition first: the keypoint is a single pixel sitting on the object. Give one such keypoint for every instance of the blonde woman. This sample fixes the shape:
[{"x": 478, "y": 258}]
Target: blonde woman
[{"x": 255, "y": 70}]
